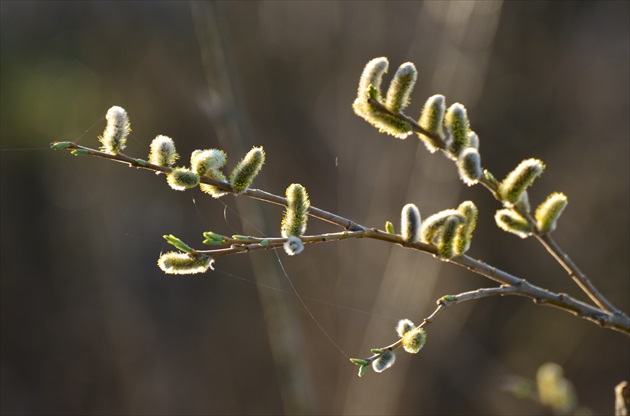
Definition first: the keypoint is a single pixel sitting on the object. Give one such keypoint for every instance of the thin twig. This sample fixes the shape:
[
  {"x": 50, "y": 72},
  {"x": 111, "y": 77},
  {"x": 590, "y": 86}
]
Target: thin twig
[
  {"x": 615, "y": 321},
  {"x": 443, "y": 303}
]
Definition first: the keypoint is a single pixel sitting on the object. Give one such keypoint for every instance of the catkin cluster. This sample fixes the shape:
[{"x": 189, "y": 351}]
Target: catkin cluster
[
  {"x": 449, "y": 230},
  {"x": 448, "y": 129}
]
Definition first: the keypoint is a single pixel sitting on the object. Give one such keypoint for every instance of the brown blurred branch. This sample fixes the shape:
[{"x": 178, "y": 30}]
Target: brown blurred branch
[
  {"x": 622, "y": 398},
  {"x": 517, "y": 286}
]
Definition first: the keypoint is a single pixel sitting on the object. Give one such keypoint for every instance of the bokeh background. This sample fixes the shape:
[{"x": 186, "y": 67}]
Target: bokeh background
[{"x": 90, "y": 325}]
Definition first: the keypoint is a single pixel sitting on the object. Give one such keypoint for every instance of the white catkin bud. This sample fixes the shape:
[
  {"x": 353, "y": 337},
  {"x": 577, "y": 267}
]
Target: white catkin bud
[
  {"x": 116, "y": 131},
  {"x": 448, "y": 237},
  {"x": 293, "y": 245},
  {"x": 517, "y": 181},
  {"x": 162, "y": 151},
  {"x": 372, "y": 75},
  {"x": 512, "y": 222},
  {"x": 548, "y": 212},
  {"x": 469, "y": 166},
  {"x": 432, "y": 226},
  {"x": 385, "y": 361},
  {"x": 456, "y": 121},
  {"x": 296, "y": 214},
  {"x": 181, "y": 179},
  {"x": 370, "y": 88},
  {"x": 403, "y": 326},
  {"x": 410, "y": 223},
  {"x": 523, "y": 202},
  {"x": 399, "y": 92},
  {"x": 247, "y": 169},
  {"x": 473, "y": 140},
  {"x": 432, "y": 120},
  {"x": 203, "y": 161},
  {"x": 184, "y": 263},
  {"x": 414, "y": 340},
  {"x": 464, "y": 233}
]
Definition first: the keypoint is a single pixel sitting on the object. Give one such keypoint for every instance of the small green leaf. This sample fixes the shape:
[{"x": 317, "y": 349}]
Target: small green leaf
[
  {"x": 373, "y": 92},
  {"x": 448, "y": 298},
  {"x": 376, "y": 351},
  {"x": 79, "y": 152},
  {"x": 213, "y": 238},
  {"x": 359, "y": 361},
  {"x": 141, "y": 162},
  {"x": 177, "y": 243},
  {"x": 241, "y": 237},
  {"x": 362, "y": 370},
  {"x": 60, "y": 145},
  {"x": 389, "y": 227},
  {"x": 264, "y": 242}
]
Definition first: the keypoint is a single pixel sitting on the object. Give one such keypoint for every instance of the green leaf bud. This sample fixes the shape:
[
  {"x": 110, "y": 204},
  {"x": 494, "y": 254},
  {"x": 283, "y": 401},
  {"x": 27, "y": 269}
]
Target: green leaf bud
[
  {"x": 60, "y": 145},
  {"x": 213, "y": 238},
  {"x": 389, "y": 227},
  {"x": 548, "y": 212},
  {"x": 212, "y": 190},
  {"x": 432, "y": 120},
  {"x": 116, "y": 131},
  {"x": 181, "y": 179},
  {"x": 203, "y": 161},
  {"x": 469, "y": 166},
  {"x": 404, "y": 326},
  {"x": 80, "y": 152},
  {"x": 432, "y": 226},
  {"x": 448, "y": 298},
  {"x": 376, "y": 350},
  {"x": 184, "y": 263},
  {"x": 464, "y": 233},
  {"x": 362, "y": 370},
  {"x": 410, "y": 223},
  {"x": 512, "y": 222},
  {"x": 163, "y": 152},
  {"x": 385, "y": 361},
  {"x": 456, "y": 121},
  {"x": 490, "y": 177},
  {"x": 247, "y": 169},
  {"x": 517, "y": 181},
  {"x": 414, "y": 340},
  {"x": 177, "y": 243},
  {"x": 400, "y": 88},
  {"x": 141, "y": 162},
  {"x": 296, "y": 214},
  {"x": 448, "y": 237},
  {"x": 293, "y": 245},
  {"x": 359, "y": 361}
]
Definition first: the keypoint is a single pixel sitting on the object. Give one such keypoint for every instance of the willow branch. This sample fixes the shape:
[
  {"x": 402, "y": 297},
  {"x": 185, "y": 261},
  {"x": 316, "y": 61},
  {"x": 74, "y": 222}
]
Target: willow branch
[
  {"x": 443, "y": 303},
  {"x": 521, "y": 287},
  {"x": 557, "y": 253}
]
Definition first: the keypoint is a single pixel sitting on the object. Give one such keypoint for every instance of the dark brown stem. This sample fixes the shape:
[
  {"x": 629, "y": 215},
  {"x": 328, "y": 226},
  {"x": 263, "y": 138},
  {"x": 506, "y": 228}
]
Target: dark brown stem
[{"x": 604, "y": 318}]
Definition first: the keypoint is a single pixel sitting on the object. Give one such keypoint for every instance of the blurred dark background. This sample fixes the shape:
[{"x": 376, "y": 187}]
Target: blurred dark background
[{"x": 90, "y": 325}]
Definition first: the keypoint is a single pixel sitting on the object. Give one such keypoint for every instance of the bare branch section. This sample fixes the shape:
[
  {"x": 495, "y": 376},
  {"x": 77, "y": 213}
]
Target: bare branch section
[{"x": 511, "y": 285}]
